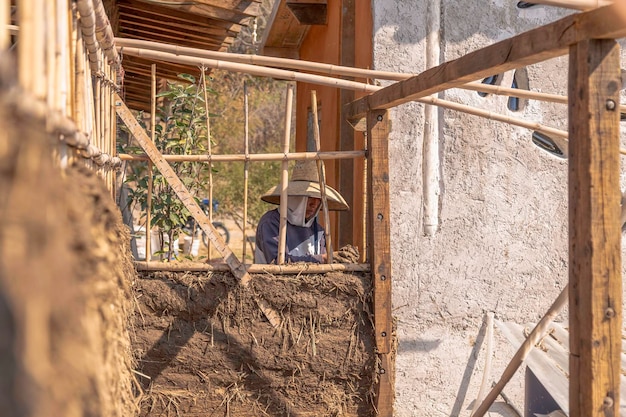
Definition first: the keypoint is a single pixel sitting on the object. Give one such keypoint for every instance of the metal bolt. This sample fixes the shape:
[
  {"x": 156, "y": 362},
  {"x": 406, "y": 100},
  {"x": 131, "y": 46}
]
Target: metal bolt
[
  {"x": 608, "y": 402},
  {"x": 609, "y": 313},
  {"x": 383, "y": 277},
  {"x": 380, "y": 117},
  {"x": 383, "y": 334},
  {"x": 380, "y": 216},
  {"x": 610, "y": 104}
]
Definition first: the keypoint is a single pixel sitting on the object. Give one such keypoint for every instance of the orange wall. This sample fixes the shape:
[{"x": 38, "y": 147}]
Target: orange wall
[{"x": 322, "y": 44}]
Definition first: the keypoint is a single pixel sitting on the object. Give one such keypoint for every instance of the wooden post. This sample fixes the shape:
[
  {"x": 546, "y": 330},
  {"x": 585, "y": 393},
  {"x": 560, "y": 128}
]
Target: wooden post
[
  {"x": 282, "y": 236},
  {"x": 322, "y": 178},
  {"x": 380, "y": 252},
  {"x": 345, "y": 219},
  {"x": 595, "y": 296}
]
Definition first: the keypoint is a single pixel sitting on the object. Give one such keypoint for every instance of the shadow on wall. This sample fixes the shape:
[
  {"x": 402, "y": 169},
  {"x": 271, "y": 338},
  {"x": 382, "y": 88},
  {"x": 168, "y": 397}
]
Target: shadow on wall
[{"x": 418, "y": 345}]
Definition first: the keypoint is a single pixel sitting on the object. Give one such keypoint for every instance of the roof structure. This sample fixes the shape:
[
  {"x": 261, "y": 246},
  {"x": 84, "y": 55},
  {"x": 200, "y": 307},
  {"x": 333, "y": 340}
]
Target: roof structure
[{"x": 205, "y": 24}]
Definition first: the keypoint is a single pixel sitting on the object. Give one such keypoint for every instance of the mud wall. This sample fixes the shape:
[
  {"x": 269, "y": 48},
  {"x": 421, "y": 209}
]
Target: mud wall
[
  {"x": 501, "y": 245},
  {"x": 65, "y": 276}
]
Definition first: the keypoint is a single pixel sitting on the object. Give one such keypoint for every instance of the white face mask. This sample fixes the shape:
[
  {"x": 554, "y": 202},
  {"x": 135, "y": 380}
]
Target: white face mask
[{"x": 296, "y": 211}]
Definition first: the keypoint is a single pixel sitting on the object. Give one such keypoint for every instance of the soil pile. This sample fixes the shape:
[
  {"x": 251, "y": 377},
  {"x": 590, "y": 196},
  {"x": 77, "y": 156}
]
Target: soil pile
[
  {"x": 65, "y": 278},
  {"x": 205, "y": 347}
]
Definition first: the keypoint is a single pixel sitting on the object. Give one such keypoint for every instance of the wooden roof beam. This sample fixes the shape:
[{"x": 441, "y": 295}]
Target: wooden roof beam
[
  {"x": 546, "y": 42},
  {"x": 172, "y": 13}
]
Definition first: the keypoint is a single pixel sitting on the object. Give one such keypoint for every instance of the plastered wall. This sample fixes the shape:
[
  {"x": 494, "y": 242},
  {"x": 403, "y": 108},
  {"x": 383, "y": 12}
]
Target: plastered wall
[{"x": 501, "y": 243}]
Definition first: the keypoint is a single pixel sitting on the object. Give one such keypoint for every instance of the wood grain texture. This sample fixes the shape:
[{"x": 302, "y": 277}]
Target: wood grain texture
[
  {"x": 379, "y": 236},
  {"x": 595, "y": 238},
  {"x": 528, "y": 48}
]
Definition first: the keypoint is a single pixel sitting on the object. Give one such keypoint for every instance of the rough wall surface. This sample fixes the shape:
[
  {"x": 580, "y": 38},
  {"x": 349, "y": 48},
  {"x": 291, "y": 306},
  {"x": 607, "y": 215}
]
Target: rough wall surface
[{"x": 502, "y": 239}]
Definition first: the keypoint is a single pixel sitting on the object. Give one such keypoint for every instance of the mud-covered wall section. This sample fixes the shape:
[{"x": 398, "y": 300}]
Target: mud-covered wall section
[
  {"x": 501, "y": 245},
  {"x": 205, "y": 346},
  {"x": 64, "y": 281}
]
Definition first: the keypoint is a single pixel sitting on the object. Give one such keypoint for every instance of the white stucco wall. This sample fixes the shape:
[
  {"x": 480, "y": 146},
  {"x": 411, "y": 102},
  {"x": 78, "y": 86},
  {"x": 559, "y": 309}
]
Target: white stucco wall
[{"x": 502, "y": 241}]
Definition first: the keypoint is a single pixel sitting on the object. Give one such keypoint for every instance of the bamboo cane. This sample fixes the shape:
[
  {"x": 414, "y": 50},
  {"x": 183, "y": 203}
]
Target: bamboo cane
[
  {"x": 535, "y": 335},
  {"x": 291, "y": 156},
  {"x": 282, "y": 236},
  {"x": 582, "y": 5},
  {"x": 291, "y": 269},
  {"x": 5, "y": 20},
  {"x": 488, "y": 360},
  {"x": 150, "y": 180},
  {"x": 246, "y": 168},
  {"x": 31, "y": 59},
  {"x": 87, "y": 24},
  {"x": 104, "y": 34},
  {"x": 50, "y": 57},
  {"x": 107, "y": 122},
  {"x": 209, "y": 152},
  {"x": 332, "y": 82},
  {"x": 125, "y": 43},
  {"x": 322, "y": 177},
  {"x": 78, "y": 105}
]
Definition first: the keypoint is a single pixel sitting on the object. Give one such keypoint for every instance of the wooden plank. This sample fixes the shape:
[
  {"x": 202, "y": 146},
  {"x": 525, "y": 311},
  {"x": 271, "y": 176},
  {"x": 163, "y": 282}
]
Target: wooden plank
[
  {"x": 528, "y": 48},
  {"x": 172, "y": 13},
  {"x": 177, "y": 29},
  {"x": 346, "y": 219},
  {"x": 385, "y": 387},
  {"x": 379, "y": 248},
  {"x": 553, "y": 379},
  {"x": 236, "y": 267},
  {"x": 595, "y": 297}
]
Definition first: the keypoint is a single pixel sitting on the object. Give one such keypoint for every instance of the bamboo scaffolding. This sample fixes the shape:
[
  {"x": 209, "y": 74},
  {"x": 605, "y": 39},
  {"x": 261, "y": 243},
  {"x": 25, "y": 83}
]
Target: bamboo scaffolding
[
  {"x": 324, "y": 68},
  {"x": 246, "y": 168},
  {"x": 290, "y": 269},
  {"x": 284, "y": 197},
  {"x": 322, "y": 178},
  {"x": 209, "y": 152},
  {"x": 290, "y": 156},
  {"x": 538, "y": 332},
  {"x": 337, "y": 83}
]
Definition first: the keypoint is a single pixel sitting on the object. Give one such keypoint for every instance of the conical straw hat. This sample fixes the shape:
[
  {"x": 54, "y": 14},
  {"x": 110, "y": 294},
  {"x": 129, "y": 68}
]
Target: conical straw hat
[{"x": 305, "y": 182}]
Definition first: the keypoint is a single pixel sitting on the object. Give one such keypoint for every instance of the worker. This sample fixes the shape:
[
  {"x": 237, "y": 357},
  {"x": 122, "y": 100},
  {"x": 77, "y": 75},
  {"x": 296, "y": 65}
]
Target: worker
[{"x": 306, "y": 239}]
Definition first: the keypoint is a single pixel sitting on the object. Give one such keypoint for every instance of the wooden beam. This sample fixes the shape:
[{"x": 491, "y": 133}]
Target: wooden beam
[
  {"x": 172, "y": 13},
  {"x": 595, "y": 297},
  {"x": 379, "y": 251},
  {"x": 528, "y": 48},
  {"x": 309, "y": 12}
]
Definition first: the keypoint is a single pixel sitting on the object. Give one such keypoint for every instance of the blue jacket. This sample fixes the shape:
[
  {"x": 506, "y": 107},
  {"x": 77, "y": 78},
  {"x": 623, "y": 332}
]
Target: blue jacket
[{"x": 304, "y": 244}]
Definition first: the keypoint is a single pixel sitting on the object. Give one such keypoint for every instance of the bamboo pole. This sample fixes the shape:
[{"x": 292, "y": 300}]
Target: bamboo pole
[
  {"x": 50, "y": 55},
  {"x": 291, "y": 156},
  {"x": 323, "y": 68},
  {"x": 291, "y": 269},
  {"x": 31, "y": 59},
  {"x": 319, "y": 67},
  {"x": 488, "y": 360},
  {"x": 5, "y": 20},
  {"x": 535, "y": 335},
  {"x": 106, "y": 116},
  {"x": 209, "y": 152},
  {"x": 104, "y": 34},
  {"x": 322, "y": 178},
  {"x": 87, "y": 24},
  {"x": 246, "y": 168},
  {"x": 333, "y": 82},
  {"x": 284, "y": 198},
  {"x": 582, "y": 5},
  {"x": 150, "y": 179}
]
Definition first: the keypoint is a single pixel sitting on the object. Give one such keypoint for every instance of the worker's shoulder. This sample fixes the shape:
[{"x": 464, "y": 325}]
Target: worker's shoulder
[{"x": 270, "y": 217}]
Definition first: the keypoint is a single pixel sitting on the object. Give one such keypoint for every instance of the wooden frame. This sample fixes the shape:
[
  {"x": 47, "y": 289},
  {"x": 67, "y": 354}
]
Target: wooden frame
[{"x": 594, "y": 194}]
